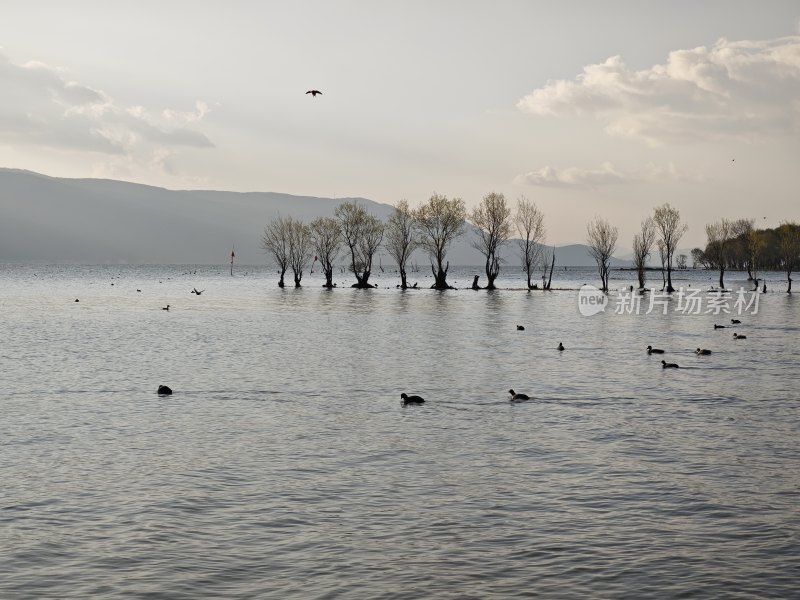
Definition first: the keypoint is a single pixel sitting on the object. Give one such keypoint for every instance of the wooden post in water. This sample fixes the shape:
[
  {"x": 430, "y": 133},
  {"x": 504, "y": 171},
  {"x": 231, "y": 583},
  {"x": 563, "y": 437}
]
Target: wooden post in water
[{"x": 232, "y": 255}]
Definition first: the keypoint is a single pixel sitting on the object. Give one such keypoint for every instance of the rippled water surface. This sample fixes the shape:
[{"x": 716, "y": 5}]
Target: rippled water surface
[{"x": 285, "y": 466}]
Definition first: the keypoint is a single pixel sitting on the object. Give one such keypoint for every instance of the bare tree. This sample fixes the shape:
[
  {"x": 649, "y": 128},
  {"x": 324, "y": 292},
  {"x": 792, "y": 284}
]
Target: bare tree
[
  {"x": 699, "y": 258},
  {"x": 492, "y": 218},
  {"x": 642, "y": 245},
  {"x": 275, "y": 241},
  {"x": 530, "y": 228},
  {"x": 401, "y": 239},
  {"x": 362, "y": 234},
  {"x": 548, "y": 261},
  {"x": 601, "y": 237},
  {"x": 439, "y": 222},
  {"x": 669, "y": 226},
  {"x": 750, "y": 244},
  {"x": 680, "y": 262},
  {"x": 789, "y": 248},
  {"x": 299, "y": 248},
  {"x": 326, "y": 239},
  {"x": 719, "y": 246},
  {"x": 662, "y": 254}
]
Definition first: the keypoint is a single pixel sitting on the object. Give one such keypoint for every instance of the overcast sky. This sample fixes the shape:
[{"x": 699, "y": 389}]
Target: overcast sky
[{"x": 588, "y": 108}]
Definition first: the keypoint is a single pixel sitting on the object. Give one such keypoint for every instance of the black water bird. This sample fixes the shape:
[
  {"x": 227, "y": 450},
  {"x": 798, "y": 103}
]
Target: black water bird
[
  {"x": 719, "y": 326},
  {"x": 76, "y": 300},
  {"x": 164, "y": 390},
  {"x": 314, "y": 93},
  {"x": 165, "y": 307},
  {"x": 702, "y": 352},
  {"x": 520, "y": 328},
  {"x": 560, "y": 347},
  {"x": 411, "y": 399},
  {"x": 666, "y": 365},
  {"x": 736, "y": 336},
  {"x": 196, "y": 291},
  {"x": 651, "y": 350},
  {"x": 735, "y": 321},
  {"x": 515, "y": 396}
]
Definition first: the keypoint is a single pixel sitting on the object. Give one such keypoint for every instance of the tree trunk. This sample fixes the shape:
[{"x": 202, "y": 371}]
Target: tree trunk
[
  {"x": 552, "y": 265},
  {"x": 403, "y": 282},
  {"x": 297, "y": 278},
  {"x": 328, "y": 276},
  {"x": 475, "y": 285},
  {"x": 789, "y": 277},
  {"x": 441, "y": 277},
  {"x": 641, "y": 279},
  {"x": 721, "y": 279},
  {"x": 280, "y": 283},
  {"x": 670, "y": 289}
]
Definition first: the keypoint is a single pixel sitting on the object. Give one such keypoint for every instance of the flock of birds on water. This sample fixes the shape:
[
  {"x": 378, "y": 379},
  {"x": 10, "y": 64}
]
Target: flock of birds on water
[
  {"x": 414, "y": 400},
  {"x": 519, "y": 397}
]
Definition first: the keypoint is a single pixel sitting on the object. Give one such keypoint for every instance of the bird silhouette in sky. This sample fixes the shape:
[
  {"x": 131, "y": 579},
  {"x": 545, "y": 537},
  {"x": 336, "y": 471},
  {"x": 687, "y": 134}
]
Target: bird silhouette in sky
[{"x": 314, "y": 93}]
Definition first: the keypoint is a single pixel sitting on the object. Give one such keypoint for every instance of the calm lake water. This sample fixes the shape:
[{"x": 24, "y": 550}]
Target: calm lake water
[{"x": 285, "y": 466}]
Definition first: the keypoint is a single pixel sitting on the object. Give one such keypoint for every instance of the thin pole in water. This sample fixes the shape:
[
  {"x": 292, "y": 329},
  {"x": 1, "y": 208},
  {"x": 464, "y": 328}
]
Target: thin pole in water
[{"x": 232, "y": 255}]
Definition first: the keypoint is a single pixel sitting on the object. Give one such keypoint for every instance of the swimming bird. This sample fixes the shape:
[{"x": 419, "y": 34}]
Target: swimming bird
[
  {"x": 719, "y": 326},
  {"x": 651, "y": 350},
  {"x": 138, "y": 290},
  {"x": 515, "y": 396},
  {"x": 165, "y": 307},
  {"x": 666, "y": 365},
  {"x": 735, "y": 321},
  {"x": 736, "y": 336},
  {"x": 411, "y": 399},
  {"x": 196, "y": 291},
  {"x": 560, "y": 347},
  {"x": 76, "y": 300},
  {"x": 702, "y": 352},
  {"x": 314, "y": 93},
  {"x": 520, "y": 328},
  {"x": 164, "y": 390}
]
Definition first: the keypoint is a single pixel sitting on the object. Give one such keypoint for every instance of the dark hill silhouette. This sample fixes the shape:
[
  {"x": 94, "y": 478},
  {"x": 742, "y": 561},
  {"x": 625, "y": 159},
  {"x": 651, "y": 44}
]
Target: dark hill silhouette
[{"x": 101, "y": 220}]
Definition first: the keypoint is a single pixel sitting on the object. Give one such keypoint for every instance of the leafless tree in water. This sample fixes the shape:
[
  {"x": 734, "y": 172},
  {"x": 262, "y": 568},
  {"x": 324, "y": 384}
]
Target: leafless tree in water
[
  {"x": 642, "y": 245},
  {"x": 440, "y": 221},
  {"x": 275, "y": 241},
  {"x": 401, "y": 238},
  {"x": 326, "y": 239},
  {"x": 492, "y": 218},
  {"x": 601, "y": 237},
  {"x": 362, "y": 234},
  {"x": 529, "y": 221},
  {"x": 671, "y": 230},
  {"x": 719, "y": 245}
]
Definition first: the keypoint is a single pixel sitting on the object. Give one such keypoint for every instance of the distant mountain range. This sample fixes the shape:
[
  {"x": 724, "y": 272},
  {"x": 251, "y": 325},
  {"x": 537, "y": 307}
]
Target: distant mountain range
[{"x": 105, "y": 221}]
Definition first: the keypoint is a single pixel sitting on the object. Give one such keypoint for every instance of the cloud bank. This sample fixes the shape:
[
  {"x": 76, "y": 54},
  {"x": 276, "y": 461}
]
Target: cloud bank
[
  {"x": 40, "y": 107},
  {"x": 607, "y": 174},
  {"x": 745, "y": 90}
]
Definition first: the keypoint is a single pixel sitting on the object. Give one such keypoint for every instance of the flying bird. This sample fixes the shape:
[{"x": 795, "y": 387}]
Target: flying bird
[{"x": 314, "y": 93}]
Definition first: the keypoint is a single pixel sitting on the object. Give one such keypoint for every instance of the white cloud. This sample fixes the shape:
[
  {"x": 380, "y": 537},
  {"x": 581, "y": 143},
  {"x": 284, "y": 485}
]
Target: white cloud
[
  {"x": 742, "y": 90},
  {"x": 607, "y": 174},
  {"x": 40, "y": 107}
]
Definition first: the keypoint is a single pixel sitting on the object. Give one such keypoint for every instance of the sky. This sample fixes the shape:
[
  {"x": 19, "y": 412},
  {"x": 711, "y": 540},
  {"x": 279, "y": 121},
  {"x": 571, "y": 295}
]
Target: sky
[{"x": 586, "y": 108}]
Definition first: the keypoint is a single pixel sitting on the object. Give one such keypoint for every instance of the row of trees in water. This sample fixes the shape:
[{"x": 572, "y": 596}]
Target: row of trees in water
[
  {"x": 664, "y": 229},
  {"x": 435, "y": 224},
  {"x": 432, "y": 227},
  {"x": 739, "y": 245},
  {"x": 731, "y": 245}
]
